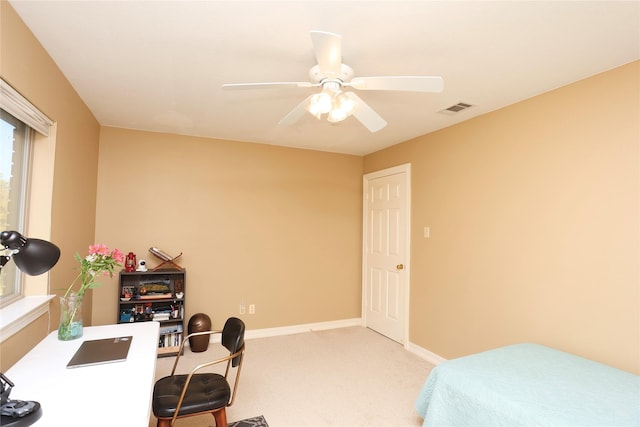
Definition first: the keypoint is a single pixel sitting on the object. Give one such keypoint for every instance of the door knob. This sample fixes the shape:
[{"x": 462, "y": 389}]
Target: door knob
[{"x": 400, "y": 267}]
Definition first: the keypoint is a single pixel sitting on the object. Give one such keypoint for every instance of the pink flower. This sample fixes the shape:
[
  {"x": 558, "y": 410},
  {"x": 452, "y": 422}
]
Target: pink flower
[
  {"x": 118, "y": 256},
  {"x": 99, "y": 249}
]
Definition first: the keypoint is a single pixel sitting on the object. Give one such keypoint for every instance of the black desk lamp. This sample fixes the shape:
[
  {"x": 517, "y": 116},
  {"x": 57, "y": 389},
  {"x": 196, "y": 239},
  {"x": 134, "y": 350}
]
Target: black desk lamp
[{"x": 34, "y": 257}]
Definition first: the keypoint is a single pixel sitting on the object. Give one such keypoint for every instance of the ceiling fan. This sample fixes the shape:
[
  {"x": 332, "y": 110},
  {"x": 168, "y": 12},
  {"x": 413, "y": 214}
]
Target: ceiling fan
[{"x": 332, "y": 76}]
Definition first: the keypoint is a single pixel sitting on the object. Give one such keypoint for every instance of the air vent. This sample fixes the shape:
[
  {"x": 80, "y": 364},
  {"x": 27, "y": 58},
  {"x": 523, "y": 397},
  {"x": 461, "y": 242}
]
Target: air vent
[{"x": 454, "y": 109}]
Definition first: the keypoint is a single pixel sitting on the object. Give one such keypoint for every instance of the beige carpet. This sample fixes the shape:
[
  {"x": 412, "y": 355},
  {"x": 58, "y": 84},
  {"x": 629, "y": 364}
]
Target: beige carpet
[{"x": 341, "y": 377}]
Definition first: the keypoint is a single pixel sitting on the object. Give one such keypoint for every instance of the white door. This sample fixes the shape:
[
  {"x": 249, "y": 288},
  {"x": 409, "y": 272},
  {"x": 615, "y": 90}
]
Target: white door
[{"x": 386, "y": 234}]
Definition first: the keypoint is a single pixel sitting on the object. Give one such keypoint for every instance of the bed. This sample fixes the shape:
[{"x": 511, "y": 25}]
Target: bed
[{"x": 527, "y": 385}]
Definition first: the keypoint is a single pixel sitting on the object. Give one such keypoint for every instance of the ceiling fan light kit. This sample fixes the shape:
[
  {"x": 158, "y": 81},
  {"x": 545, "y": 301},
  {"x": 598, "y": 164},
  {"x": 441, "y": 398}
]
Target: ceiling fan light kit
[
  {"x": 332, "y": 76},
  {"x": 343, "y": 106},
  {"x": 338, "y": 105}
]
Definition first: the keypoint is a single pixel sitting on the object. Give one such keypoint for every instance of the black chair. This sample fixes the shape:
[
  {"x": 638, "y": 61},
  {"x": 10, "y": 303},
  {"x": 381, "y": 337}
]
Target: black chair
[{"x": 185, "y": 395}]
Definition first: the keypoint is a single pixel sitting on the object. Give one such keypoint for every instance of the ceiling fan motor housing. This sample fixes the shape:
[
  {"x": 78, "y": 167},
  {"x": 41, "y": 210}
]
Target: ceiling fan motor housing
[{"x": 316, "y": 76}]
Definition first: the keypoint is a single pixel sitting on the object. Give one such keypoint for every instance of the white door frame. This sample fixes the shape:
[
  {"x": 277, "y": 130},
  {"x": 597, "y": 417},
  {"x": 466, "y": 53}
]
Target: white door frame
[{"x": 406, "y": 169}]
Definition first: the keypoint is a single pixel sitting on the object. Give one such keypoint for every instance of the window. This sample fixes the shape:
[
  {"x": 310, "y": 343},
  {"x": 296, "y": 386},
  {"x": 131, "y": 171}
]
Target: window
[
  {"x": 19, "y": 120},
  {"x": 15, "y": 142}
]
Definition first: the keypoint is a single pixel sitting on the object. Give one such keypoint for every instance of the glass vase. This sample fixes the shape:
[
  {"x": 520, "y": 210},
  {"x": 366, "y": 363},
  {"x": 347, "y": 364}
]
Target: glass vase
[{"x": 70, "y": 326}]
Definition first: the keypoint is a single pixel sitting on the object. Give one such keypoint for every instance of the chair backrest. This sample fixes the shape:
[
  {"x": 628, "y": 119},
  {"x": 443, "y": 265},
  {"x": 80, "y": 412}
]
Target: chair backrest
[{"x": 233, "y": 337}]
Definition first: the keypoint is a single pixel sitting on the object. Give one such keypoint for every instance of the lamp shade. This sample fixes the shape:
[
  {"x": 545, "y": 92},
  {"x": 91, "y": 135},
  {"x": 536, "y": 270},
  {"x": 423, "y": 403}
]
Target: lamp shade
[
  {"x": 32, "y": 256},
  {"x": 320, "y": 104}
]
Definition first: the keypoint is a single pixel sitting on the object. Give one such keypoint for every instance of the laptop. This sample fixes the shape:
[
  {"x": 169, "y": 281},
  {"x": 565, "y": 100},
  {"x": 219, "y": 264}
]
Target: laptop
[{"x": 97, "y": 352}]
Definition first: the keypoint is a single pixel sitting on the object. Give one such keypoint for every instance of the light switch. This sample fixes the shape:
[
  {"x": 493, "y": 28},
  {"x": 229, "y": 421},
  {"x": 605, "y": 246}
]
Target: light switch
[{"x": 427, "y": 232}]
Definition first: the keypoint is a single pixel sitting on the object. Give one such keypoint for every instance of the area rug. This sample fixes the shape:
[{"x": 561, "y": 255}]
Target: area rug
[{"x": 258, "y": 421}]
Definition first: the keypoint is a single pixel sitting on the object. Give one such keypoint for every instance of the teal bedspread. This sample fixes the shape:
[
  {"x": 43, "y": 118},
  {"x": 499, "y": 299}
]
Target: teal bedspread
[{"x": 528, "y": 385}]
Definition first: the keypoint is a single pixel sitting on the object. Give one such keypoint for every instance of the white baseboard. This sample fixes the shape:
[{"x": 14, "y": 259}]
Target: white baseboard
[
  {"x": 297, "y": 329},
  {"x": 294, "y": 329},
  {"x": 424, "y": 353}
]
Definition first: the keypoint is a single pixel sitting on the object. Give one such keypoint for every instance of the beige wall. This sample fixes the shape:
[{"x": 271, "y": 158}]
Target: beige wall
[
  {"x": 534, "y": 213},
  {"x": 28, "y": 68},
  {"x": 276, "y": 227},
  {"x": 16, "y": 346}
]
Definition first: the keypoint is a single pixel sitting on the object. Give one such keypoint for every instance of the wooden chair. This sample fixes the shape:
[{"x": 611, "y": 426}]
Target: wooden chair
[{"x": 196, "y": 393}]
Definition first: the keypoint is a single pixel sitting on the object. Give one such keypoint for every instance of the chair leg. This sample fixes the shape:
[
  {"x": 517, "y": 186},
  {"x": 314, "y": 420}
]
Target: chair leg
[
  {"x": 164, "y": 422},
  {"x": 221, "y": 417}
]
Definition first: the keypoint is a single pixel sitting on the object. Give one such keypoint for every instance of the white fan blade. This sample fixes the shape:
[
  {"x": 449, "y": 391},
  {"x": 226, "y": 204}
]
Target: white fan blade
[
  {"x": 401, "y": 83},
  {"x": 295, "y": 114},
  {"x": 369, "y": 118},
  {"x": 328, "y": 48},
  {"x": 273, "y": 85}
]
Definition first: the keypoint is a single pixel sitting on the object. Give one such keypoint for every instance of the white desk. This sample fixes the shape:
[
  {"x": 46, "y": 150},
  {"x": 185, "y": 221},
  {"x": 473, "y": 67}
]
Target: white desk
[{"x": 113, "y": 394}]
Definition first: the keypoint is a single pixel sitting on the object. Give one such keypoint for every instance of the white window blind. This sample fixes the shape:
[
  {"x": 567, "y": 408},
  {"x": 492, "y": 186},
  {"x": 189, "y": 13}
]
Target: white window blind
[{"x": 18, "y": 106}]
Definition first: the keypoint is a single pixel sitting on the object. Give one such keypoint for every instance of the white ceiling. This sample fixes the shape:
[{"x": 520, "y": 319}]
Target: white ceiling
[{"x": 159, "y": 65}]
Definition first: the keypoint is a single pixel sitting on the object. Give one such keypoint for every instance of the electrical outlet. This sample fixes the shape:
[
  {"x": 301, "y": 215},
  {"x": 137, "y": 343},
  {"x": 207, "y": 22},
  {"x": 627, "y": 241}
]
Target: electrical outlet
[
  {"x": 242, "y": 308},
  {"x": 252, "y": 309}
]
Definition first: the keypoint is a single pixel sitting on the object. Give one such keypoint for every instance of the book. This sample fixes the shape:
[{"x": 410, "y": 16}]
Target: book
[{"x": 155, "y": 296}]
